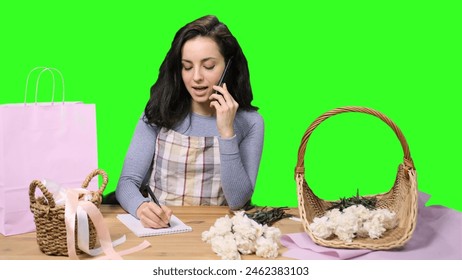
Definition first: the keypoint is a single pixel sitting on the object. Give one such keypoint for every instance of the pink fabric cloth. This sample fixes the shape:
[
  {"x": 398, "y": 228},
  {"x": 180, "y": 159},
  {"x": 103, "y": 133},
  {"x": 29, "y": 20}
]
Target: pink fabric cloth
[{"x": 438, "y": 236}]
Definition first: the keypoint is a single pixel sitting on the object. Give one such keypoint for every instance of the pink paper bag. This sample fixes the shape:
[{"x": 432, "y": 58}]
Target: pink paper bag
[{"x": 55, "y": 141}]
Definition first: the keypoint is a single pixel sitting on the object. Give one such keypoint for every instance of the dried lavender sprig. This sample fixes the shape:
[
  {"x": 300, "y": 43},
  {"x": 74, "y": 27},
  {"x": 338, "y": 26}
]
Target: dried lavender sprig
[
  {"x": 343, "y": 203},
  {"x": 268, "y": 217}
]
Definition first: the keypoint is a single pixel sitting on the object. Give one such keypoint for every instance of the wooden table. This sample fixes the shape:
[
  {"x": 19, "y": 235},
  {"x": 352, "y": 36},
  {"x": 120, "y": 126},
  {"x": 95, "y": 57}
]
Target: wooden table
[{"x": 181, "y": 246}]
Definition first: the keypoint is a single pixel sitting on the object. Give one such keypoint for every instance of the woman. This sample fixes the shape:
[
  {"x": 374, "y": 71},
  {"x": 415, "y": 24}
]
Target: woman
[{"x": 203, "y": 141}]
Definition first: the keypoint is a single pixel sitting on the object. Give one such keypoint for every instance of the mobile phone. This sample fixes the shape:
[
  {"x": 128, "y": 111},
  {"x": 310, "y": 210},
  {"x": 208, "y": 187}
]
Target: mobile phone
[{"x": 222, "y": 78}]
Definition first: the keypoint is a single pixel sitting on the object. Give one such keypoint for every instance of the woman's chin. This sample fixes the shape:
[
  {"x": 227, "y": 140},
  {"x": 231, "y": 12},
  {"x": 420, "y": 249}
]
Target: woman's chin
[{"x": 202, "y": 97}]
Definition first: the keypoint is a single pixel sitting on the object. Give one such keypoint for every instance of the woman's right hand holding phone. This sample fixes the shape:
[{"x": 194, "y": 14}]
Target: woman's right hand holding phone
[{"x": 226, "y": 108}]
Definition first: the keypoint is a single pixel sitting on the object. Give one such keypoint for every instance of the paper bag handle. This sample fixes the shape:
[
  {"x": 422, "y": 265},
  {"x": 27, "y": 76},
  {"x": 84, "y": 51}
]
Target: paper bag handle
[{"x": 44, "y": 69}]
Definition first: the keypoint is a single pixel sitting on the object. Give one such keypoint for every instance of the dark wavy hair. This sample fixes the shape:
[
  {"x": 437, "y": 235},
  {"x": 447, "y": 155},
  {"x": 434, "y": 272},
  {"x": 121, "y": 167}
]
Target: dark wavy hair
[{"x": 170, "y": 101}]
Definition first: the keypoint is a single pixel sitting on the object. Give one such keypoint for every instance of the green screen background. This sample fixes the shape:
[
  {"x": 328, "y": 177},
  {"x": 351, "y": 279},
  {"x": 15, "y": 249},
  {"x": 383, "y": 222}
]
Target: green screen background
[{"x": 401, "y": 58}]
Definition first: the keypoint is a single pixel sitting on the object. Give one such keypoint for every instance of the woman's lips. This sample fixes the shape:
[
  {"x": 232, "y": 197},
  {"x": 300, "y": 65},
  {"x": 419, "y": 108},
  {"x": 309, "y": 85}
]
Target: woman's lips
[{"x": 201, "y": 89}]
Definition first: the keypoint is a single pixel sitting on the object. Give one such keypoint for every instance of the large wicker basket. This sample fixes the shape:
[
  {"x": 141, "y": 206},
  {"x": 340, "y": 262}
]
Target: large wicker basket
[
  {"x": 401, "y": 199},
  {"x": 50, "y": 218}
]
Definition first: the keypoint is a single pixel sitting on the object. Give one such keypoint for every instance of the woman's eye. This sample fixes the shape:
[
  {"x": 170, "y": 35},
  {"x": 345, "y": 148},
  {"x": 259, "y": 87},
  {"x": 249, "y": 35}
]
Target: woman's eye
[
  {"x": 187, "y": 67},
  {"x": 209, "y": 67}
]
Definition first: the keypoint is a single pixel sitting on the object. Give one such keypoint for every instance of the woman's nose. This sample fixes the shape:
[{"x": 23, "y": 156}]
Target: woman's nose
[{"x": 198, "y": 76}]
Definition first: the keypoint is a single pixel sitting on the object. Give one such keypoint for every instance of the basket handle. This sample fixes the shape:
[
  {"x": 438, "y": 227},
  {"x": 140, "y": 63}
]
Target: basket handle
[
  {"x": 300, "y": 168},
  {"x": 94, "y": 174},
  {"x": 49, "y": 196}
]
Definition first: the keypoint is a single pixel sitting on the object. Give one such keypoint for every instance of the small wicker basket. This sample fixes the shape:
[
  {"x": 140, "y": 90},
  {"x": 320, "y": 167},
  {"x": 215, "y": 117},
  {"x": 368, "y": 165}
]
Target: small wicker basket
[
  {"x": 50, "y": 218},
  {"x": 401, "y": 199}
]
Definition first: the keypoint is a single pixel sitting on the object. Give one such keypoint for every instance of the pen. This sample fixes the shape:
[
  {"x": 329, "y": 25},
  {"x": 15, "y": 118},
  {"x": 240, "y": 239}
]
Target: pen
[{"x": 154, "y": 198}]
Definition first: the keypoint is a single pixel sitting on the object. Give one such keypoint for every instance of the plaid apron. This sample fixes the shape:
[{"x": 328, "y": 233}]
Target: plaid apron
[{"x": 186, "y": 170}]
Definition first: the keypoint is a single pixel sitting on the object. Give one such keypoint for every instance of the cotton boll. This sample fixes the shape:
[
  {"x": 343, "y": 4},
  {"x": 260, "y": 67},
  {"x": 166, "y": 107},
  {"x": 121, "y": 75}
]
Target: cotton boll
[
  {"x": 246, "y": 230},
  {"x": 238, "y": 215},
  {"x": 354, "y": 221},
  {"x": 259, "y": 229},
  {"x": 344, "y": 234},
  {"x": 362, "y": 232},
  {"x": 332, "y": 214},
  {"x": 334, "y": 217},
  {"x": 390, "y": 223},
  {"x": 207, "y": 236},
  {"x": 272, "y": 233},
  {"x": 321, "y": 227},
  {"x": 379, "y": 222},
  {"x": 231, "y": 237},
  {"x": 350, "y": 210},
  {"x": 352, "y": 217},
  {"x": 245, "y": 233},
  {"x": 240, "y": 218},
  {"x": 266, "y": 248},
  {"x": 225, "y": 247},
  {"x": 387, "y": 218},
  {"x": 374, "y": 228},
  {"x": 246, "y": 227},
  {"x": 223, "y": 225},
  {"x": 347, "y": 227},
  {"x": 214, "y": 231},
  {"x": 245, "y": 245},
  {"x": 361, "y": 212}
]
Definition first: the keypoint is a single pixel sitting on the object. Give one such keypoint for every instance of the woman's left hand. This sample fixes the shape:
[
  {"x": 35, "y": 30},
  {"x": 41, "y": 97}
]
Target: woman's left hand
[{"x": 226, "y": 108}]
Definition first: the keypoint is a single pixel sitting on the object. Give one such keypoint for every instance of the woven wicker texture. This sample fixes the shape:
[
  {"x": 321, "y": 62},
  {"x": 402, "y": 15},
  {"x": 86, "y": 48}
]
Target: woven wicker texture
[
  {"x": 49, "y": 217},
  {"x": 401, "y": 199}
]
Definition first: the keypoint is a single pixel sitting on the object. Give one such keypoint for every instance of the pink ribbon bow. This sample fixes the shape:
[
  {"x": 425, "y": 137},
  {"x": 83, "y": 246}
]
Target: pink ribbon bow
[{"x": 80, "y": 209}]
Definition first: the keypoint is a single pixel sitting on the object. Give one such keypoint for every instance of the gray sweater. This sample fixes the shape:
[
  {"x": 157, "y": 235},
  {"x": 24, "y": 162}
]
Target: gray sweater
[{"x": 239, "y": 156}]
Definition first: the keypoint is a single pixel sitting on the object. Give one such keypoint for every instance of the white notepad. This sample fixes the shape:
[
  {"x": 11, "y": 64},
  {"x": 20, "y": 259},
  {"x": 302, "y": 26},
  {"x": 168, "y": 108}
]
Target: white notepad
[{"x": 176, "y": 226}]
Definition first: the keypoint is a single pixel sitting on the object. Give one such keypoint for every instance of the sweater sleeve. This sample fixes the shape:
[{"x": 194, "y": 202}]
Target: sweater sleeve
[
  {"x": 240, "y": 161},
  {"x": 136, "y": 164}
]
